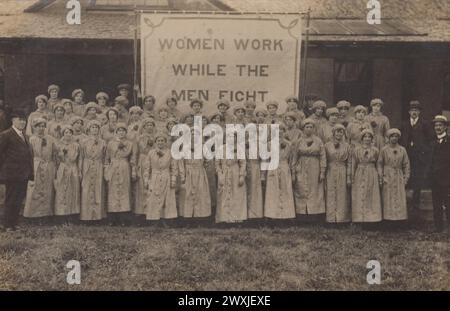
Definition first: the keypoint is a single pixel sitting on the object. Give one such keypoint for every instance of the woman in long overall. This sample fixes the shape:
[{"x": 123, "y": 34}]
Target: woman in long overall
[
  {"x": 394, "y": 171},
  {"x": 232, "y": 192},
  {"x": 279, "y": 199},
  {"x": 366, "y": 198},
  {"x": 119, "y": 171},
  {"x": 68, "y": 175},
  {"x": 41, "y": 193},
  {"x": 310, "y": 167},
  {"x": 145, "y": 143},
  {"x": 338, "y": 177},
  {"x": 160, "y": 179},
  {"x": 93, "y": 151}
]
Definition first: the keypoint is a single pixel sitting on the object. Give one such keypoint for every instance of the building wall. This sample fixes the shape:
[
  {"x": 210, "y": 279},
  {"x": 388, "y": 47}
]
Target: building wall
[
  {"x": 25, "y": 78},
  {"x": 387, "y": 85},
  {"x": 398, "y": 76},
  {"x": 320, "y": 78},
  {"x": 32, "y": 64},
  {"x": 400, "y": 73},
  {"x": 427, "y": 84},
  {"x": 92, "y": 73}
]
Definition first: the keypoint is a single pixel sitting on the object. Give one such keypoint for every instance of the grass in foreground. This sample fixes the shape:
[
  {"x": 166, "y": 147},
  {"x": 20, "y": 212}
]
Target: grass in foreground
[{"x": 148, "y": 258}]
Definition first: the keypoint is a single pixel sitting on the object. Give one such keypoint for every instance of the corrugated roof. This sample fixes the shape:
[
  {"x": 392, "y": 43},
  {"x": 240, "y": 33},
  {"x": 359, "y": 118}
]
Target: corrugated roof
[
  {"x": 133, "y": 2},
  {"x": 50, "y": 22},
  {"x": 332, "y": 20},
  {"x": 352, "y": 27},
  {"x": 402, "y": 20},
  {"x": 404, "y": 9}
]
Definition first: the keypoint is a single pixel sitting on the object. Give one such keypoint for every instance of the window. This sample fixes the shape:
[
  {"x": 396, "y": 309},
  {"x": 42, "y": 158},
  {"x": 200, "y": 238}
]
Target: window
[{"x": 353, "y": 81}]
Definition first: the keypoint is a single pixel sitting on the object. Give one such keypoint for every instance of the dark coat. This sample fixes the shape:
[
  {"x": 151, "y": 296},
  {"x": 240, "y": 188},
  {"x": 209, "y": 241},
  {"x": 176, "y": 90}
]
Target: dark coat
[
  {"x": 16, "y": 159},
  {"x": 440, "y": 164}
]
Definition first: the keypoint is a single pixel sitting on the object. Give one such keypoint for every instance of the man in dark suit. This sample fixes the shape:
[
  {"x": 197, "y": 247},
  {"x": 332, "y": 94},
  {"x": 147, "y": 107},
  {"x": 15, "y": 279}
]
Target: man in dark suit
[
  {"x": 440, "y": 172},
  {"x": 16, "y": 168},
  {"x": 416, "y": 137}
]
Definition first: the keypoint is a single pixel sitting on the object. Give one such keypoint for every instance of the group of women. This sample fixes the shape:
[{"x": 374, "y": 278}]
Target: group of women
[{"x": 98, "y": 160}]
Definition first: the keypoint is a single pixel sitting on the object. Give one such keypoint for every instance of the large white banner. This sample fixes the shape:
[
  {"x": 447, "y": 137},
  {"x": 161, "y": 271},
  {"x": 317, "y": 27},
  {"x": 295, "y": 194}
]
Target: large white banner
[{"x": 212, "y": 57}]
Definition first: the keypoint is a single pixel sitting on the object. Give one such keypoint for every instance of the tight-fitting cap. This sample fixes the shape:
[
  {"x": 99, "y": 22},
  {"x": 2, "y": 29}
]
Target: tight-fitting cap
[
  {"x": 393, "y": 131},
  {"x": 38, "y": 121},
  {"x": 43, "y": 97},
  {"x": 52, "y": 87},
  {"x": 102, "y": 95},
  {"x": 366, "y": 131},
  {"x": 77, "y": 91},
  {"x": 376, "y": 101}
]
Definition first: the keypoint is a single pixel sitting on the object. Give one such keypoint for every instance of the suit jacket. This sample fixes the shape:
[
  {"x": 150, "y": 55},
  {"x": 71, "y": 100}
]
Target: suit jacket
[
  {"x": 16, "y": 159},
  {"x": 440, "y": 163},
  {"x": 416, "y": 138}
]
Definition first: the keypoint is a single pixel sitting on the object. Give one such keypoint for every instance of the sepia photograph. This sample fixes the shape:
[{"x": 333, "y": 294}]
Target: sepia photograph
[{"x": 198, "y": 147}]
